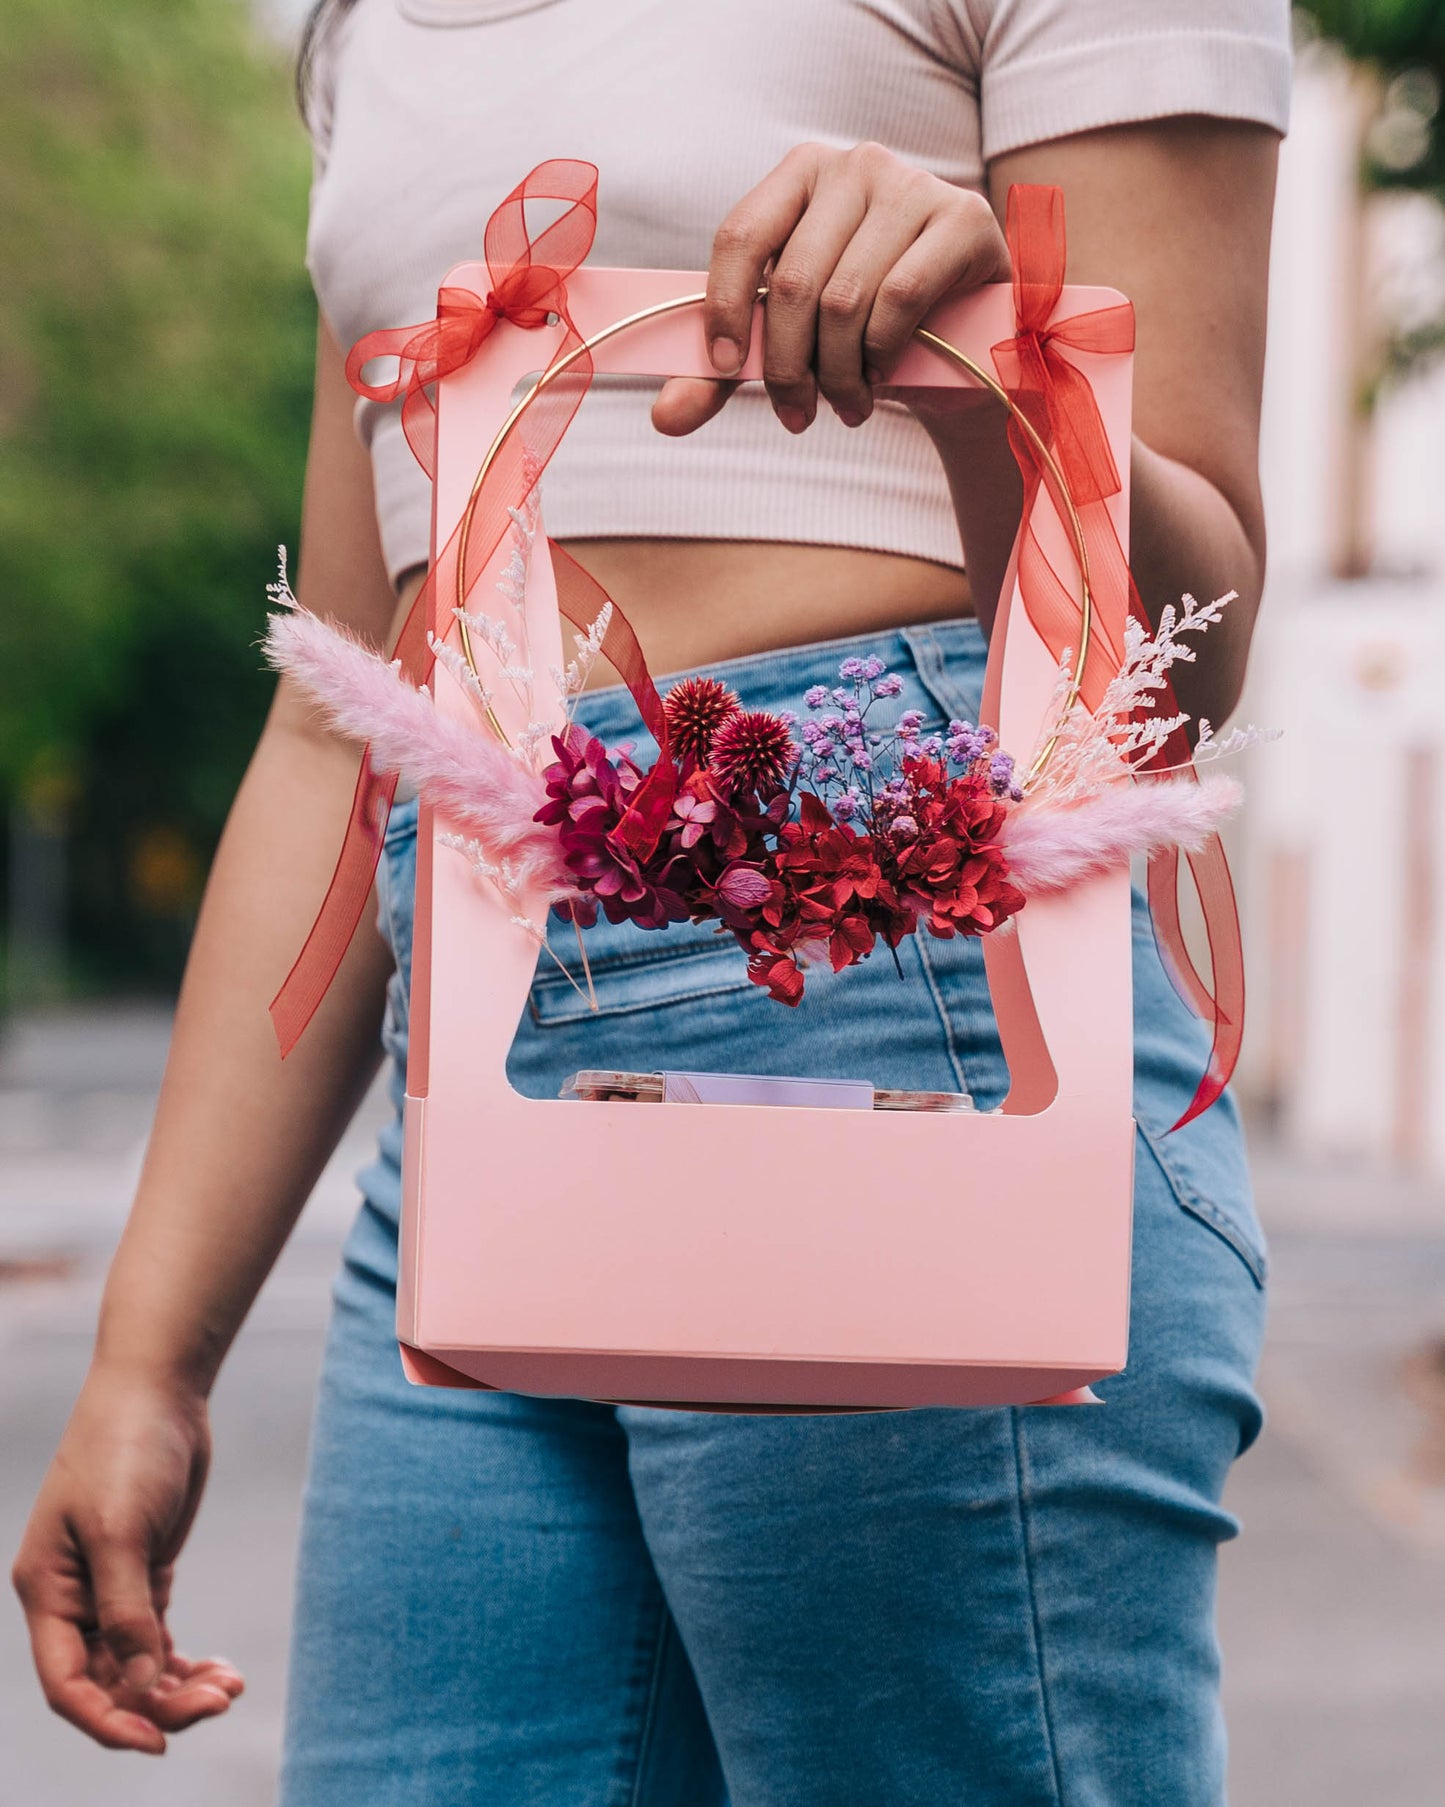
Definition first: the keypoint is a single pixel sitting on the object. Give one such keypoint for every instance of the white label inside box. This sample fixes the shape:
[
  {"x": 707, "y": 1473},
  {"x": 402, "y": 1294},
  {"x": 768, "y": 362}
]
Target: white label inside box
[{"x": 748, "y": 1088}]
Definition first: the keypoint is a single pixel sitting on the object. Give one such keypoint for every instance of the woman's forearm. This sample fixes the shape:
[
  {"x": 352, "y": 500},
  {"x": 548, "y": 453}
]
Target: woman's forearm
[
  {"x": 240, "y": 1136},
  {"x": 1185, "y": 537}
]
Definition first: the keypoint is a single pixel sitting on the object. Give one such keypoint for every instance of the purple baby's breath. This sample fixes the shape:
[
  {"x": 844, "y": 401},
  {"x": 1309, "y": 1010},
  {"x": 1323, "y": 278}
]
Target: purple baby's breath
[
  {"x": 851, "y": 668},
  {"x": 873, "y": 667},
  {"x": 890, "y": 685},
  {"x": 1001, "y": 774},
  {"x": 816, "y": 696}
]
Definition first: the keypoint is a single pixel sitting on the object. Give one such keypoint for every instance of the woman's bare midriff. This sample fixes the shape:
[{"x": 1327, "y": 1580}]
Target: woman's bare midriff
[{"x": 694, "y": 602}]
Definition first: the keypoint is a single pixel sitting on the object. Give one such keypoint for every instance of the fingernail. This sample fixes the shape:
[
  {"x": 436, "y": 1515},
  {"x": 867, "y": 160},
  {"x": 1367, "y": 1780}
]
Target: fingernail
[
  {"x": 139, "y": 1671},
  {"x": 725, "y": 356},
  {"x": 850, "y": 417},
  {"x": 219, "y": 1695},
  {"x": 794, "y": 419}
]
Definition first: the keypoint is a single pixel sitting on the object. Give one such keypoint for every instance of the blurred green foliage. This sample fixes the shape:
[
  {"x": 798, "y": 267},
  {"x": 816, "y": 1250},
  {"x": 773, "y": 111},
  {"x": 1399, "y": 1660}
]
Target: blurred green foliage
[
  {"x": 157, "y": 334},
  {"x": 1404, "y": 41},
  {"x": 1402, "y": 44}
]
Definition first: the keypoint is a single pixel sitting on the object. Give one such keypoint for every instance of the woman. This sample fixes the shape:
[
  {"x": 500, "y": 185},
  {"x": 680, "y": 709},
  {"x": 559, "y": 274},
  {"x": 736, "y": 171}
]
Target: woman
[{"x": 506, "y": 1599}]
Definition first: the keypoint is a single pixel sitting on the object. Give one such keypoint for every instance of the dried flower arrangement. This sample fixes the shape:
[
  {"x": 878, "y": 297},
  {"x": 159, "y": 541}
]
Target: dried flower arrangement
[{"x": 809, "y": 841}]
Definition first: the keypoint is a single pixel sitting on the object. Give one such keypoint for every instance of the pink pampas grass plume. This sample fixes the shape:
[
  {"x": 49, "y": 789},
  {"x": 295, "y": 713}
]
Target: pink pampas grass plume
[
  {"x": 476, "y": 783},
  {"x": 1056, "y": 845}
]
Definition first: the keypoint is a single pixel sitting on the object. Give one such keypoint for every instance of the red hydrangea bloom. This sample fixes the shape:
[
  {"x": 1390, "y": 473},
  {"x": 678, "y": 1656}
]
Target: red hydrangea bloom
[
  {"x": 949, "y": 865},
  {"x": 830, "y": 892},
  {"x": 588, "y": 792}
]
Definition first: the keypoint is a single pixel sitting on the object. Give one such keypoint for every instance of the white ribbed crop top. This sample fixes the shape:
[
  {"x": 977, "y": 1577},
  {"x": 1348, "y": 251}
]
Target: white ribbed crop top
[{"x": 427, "y": 112}]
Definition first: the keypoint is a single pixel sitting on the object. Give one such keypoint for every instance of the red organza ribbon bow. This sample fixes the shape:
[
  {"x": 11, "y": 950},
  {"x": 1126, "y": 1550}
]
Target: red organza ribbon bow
[
  {"x": 1058, "y": 399},
  {"x": 528, "y": 294}
]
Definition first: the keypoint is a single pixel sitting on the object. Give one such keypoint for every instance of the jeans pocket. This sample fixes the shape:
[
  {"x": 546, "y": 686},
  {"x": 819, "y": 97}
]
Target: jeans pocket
[
  {"x": 1239, "y": 1227},
  {"x": 685, "y": 963}
]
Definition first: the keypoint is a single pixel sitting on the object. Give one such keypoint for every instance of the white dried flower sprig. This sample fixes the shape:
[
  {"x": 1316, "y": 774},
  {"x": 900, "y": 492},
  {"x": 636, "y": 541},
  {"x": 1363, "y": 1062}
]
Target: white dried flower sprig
[
  {"x": 492, "y": 633},
  {"x": 571, "y": 682},
  {"x": 506, "y": 879},
  {"x": 465, "y": 677},
  {"x": 513, "y": 582},
  {"x": 1090, "y": 746},
  {"x": 281, "y": 592},
  {"x": 512, "y": 655}
]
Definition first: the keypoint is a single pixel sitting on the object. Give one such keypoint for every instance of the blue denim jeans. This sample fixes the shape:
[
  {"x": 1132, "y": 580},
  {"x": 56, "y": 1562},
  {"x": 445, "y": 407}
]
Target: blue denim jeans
[{"x": 509, "y": 1600}]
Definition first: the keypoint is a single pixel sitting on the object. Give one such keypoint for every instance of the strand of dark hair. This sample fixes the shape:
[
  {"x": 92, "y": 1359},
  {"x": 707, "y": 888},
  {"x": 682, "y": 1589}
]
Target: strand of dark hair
[{"x": 321, "y": 19}]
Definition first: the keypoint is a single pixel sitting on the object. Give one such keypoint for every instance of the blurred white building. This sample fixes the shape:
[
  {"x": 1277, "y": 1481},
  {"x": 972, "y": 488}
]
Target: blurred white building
[{"x": 1343, "y": 847}]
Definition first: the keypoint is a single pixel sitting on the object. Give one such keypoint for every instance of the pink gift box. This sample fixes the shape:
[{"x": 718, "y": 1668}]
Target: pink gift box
[{"x": 976, "y": 1260}]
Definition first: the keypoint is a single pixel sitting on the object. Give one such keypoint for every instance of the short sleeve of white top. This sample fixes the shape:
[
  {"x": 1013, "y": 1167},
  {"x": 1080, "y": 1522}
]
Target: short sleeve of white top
[{"x": 427, "y": 112}]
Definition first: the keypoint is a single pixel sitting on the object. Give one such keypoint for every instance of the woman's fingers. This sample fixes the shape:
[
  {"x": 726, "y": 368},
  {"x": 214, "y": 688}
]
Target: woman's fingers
[
  {"x": 207, "y": 1668},
  {"x": 849, "y": 303},
  {"x": 802, "y": 275},
  {"x": 855, "y": 247},
  {"x": 130, "y": 1627},
  {"x": 184, "y": 1692},
  {"x": 684, "y": 402},
  {"x": 62, "y": 1661},
  {"x": 754, "y": 231},
  {"x": 176, "y": 1701},
  {"x": 960, "y": 246}
]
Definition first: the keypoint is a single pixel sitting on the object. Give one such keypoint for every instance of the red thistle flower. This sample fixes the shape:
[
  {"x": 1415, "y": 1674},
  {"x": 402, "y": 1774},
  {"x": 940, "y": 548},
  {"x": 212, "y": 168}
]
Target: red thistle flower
[
  {"x": 695, "y": 710},
  {"x": 753, "y": 752}
]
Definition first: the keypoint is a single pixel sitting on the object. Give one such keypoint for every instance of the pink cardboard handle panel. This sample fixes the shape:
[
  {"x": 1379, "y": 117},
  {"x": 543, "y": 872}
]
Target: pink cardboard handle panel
[{"x": 977, "y": 1260}]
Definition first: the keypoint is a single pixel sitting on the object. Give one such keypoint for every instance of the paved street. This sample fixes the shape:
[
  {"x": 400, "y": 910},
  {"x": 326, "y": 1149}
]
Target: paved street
[{"x": 1333, "y": 1603}]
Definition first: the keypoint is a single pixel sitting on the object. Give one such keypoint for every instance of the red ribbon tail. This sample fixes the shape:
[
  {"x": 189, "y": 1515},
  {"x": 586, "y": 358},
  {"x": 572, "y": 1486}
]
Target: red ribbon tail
[
  {"x": 1059, "y": 401},
  {"x": 316, "y": 965},
  {"x": 528, "y": 282},
  {"x": 581, "y": 600}
]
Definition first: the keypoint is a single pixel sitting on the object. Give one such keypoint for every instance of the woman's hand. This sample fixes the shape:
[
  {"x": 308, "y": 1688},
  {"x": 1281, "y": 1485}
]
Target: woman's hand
[
  {"x": 94, "y": 1568},
  {"x": 855, "y": 247}
]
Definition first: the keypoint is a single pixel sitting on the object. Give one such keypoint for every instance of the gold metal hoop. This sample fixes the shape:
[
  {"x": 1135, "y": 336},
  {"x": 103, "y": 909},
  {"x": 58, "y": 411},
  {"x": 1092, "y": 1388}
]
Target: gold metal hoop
[{"x": 935, "y": 343}]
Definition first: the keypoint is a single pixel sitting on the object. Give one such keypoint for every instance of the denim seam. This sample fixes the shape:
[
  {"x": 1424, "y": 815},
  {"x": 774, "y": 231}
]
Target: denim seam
[
  {"x": 1219, "y": 1221},
  {"x": 590, "y": 1015},
  {"x": 648, "y": 1717},
  {"x": 1035, "y": 1623},
  {"x": 645, "y": 956},
  {"x": 955, "y": 1058},
  {"x": 811, "y": 649},
  {"x": 931, "y": 661}
]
